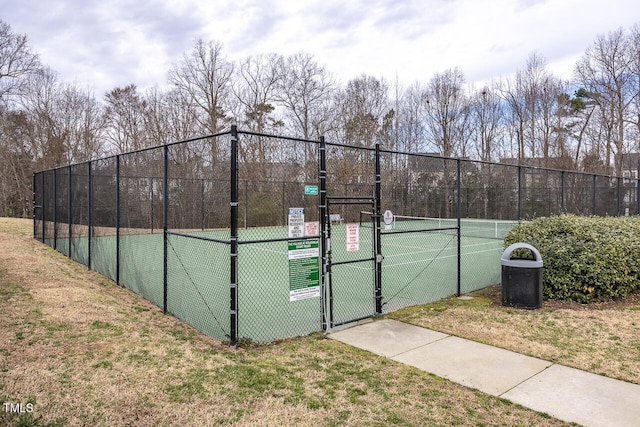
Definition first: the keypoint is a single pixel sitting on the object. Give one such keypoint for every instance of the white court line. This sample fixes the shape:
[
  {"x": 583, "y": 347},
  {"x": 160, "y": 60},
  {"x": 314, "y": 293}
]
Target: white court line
[
  {"x": 420, "y": 260},
  {"x": 442, "y": 257},
  {"x": 436, "y": 249}
]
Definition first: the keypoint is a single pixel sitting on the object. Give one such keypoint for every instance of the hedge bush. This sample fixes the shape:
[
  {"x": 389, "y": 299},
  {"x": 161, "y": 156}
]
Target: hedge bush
[{"x": 586, "y": 259}]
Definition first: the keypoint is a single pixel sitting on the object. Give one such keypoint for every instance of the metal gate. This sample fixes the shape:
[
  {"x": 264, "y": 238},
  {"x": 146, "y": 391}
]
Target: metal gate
[{"x": 351, "y": 255}]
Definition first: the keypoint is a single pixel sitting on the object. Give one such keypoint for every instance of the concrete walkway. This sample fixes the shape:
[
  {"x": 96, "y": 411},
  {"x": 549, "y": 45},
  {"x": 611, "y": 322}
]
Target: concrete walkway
[{"x": 565, "y": 393}]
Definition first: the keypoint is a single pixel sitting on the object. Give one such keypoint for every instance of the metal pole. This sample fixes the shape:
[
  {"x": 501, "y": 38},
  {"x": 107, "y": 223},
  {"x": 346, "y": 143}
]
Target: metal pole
[
  {"x": 324, "y": 241},
  {"x": 638, "y": 196},
  {"x": 284, "y": 210},
  {"x": 594, "y": 193},
  {"x": 69, "y": 216},
  {"x": 43, "y": 206},
  {"x": 55, "y": 209},
  {"x": 519, "y": 192},
  {"x": 459, "y": 254},
  {"x": 562, "y": 192},
  {"x": 165, "y": 221},
  {"x": 89, "y": 210},
  {"x": 33, "y": 204},
  {"x": 246, "y": 203},
  {"x": 378, "y": 241},
  {"x": 619, "y": 198},
  {"x": 233, "y": 256},
  {"x": 152, "y": 205},
  {"x": 118, "y": 219},
  {"x": 202, "y": 202}
]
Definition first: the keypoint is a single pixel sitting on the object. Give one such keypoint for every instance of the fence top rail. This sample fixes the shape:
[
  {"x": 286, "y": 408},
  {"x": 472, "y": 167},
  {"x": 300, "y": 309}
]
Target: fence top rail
[
  {"x": 155, "y": 147},
  {"x": 511, "y": 165},
  {"x": 287, "y": 138}
]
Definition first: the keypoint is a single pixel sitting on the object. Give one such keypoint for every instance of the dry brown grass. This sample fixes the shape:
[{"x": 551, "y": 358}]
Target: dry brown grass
[
  {"x": 601, "y": 338},
  {"x": 87, "y": 352}
]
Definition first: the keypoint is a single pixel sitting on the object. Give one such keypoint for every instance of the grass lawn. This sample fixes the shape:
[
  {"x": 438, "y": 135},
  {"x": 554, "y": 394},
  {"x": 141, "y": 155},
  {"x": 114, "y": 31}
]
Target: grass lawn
[{"x": 83, "y": 351}]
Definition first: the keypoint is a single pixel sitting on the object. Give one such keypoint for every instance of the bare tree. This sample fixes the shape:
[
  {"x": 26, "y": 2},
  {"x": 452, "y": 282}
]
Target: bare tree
[
  {"x": 204, "y": 77},
  {"x": 125, "y": 112},
  {"x": 47, "y": 135},
  {"x": 411, "y": 130},
  {"x": 304, "y": 89},
  {"x": 634, "y": 52},
  {"x": 171, "y": 117},
  {"x": 16, "y": 164},
  {"x": 445, "y": 110},
  {"x": 16, "y": 61},
  {"x": 364, "y": 104},
  {"x": 256, "y": 85},
  {"x": 487, "y": 118},
  {"x": 604, "y": 72}
]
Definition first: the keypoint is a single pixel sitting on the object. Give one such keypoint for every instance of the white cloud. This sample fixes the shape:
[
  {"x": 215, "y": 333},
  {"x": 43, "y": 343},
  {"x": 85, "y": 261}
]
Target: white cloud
[{"x": 110, "y": 44}]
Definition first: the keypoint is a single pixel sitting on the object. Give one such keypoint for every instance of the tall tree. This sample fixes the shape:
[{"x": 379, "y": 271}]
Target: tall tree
[
  {"x": 604, "y": 70},
  {"x": 445, "y": 110},
  {"x": 125, "y": 112},
  {"x": 487, "y": 118},
  {"x": 304, "y": 90},
  {"x": 204, "y": 77},
  {"x": 256, "y": 85},
  {"x": 364, "y": 104},
  {"x": 16, "y": 61}
]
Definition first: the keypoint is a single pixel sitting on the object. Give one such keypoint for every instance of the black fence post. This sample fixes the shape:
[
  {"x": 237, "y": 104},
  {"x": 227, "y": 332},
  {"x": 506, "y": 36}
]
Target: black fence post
[
  {"x": 459, "y": 233},
  {"x": 55, "y": 209},
  {"x": 165, "y": 221},
  {"x": 152, "y": 205},
  {"x": 562, "y": 192},
  {"x": 33, "y": 204},
  {"x": 69, "y": 216},
  {"x": 233, "y": 255},
  {"x": 118, "y": 219},
  {"x": 619, "y": 196},
  {"x": 638, "y": 196},
  {"x": 378, "y": 241},
  {"x": 284, "y": 209},
  {"x": 322, "y": 211},
  {"x": 246, "y": 203},
  {"x": 595, "y": 178},
  {"x": 519, "y": 192},
  {"x": 89, "y": 212},
  {"x": 202, "y": 202},
  {"x": 43, "y": 203}
]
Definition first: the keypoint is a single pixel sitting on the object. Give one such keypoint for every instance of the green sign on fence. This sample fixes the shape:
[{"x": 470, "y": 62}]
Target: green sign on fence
[
  {"x": 304, "y": 270},
  {"x": 311, "y": 190}
]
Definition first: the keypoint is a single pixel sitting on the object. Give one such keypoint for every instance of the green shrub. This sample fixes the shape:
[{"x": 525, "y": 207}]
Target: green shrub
[{"x": 585, "y": 259}]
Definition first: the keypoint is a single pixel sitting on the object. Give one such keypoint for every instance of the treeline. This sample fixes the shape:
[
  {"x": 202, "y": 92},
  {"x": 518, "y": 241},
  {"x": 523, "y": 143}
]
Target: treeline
[{"x": 587, "y": 123}]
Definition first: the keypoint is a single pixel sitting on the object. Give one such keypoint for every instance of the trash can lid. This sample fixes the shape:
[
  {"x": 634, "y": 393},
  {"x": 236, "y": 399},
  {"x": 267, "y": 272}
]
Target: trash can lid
[{"x": 523, "y": 263}]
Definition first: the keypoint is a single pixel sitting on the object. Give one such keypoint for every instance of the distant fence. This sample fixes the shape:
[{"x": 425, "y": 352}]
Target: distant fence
[{"x": 261, "y": 237}]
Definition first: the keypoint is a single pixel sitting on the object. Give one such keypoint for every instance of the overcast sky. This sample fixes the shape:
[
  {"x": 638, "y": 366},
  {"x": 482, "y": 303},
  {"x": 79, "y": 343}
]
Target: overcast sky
[{"x": 105, "y": 44}]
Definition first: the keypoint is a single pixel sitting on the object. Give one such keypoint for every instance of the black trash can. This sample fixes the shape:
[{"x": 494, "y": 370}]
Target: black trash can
[{"x": 521, "y": 278}]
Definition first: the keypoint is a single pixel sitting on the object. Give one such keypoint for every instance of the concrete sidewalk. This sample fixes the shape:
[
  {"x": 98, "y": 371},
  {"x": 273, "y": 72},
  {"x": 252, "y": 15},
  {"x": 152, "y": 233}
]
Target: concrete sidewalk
[{"x": 565, "y": 393}]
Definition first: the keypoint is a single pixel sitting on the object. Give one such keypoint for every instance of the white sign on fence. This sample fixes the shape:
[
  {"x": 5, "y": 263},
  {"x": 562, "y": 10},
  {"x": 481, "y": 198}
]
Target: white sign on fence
[
  {"x": 311, "y": 228},
  {"x": 353, "y": 237},
  {"x": 296, "y": 223}
]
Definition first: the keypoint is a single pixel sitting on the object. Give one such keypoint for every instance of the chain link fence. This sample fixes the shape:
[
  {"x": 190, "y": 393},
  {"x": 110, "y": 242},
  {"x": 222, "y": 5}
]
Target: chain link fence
[{"x": 253, "y": 237}]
